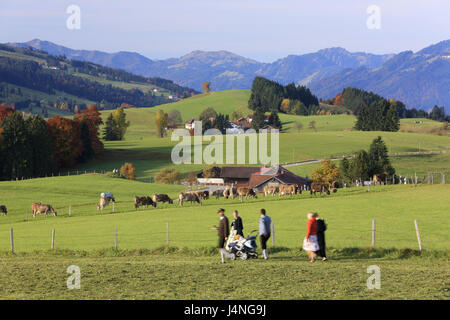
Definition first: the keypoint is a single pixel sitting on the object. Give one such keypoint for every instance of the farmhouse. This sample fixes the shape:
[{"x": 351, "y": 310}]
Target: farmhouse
[{"x": 254, "y": 177}]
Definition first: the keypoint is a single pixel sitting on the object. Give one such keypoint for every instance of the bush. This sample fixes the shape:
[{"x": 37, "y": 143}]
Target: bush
[
  {"x": 169, "y": 176},
  {"x": 128, "y": 171}
]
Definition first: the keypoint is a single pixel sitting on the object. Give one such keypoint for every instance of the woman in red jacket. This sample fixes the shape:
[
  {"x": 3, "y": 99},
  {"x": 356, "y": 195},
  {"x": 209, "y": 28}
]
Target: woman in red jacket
[{"x": 310, "y": 243}]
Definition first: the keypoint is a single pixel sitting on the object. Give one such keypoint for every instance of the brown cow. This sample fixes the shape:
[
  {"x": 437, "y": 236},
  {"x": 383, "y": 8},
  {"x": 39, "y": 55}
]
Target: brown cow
[
  {"x": 202, "y": 194},
  {"x": 38, "y": 208},
  {"x": 287, "y": 189},
  {"x": 247, "y": 192},
  {"x": 161, "y": 197},
  {"x": 189, "y": 196},
  {"x": 217, "y": 194},
  {"x": 230, "y": 192},
  {"x": 270, "y": 190},
  {"x": 319, "y": 187},
  {"x": 3, "y": 210},
  {"x": 143, "y": 201},
  {"x": 379, "y": 179}
]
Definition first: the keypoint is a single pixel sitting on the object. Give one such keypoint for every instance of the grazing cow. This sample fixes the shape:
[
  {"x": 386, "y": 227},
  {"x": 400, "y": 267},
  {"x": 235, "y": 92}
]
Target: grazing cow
[
  {"x": 189, "y": 196},
  {"x": 3, "y": 210},
  {"x": 299, "y": 188},
  {"x": 37, "y": 208},
  {"x": 104, "y": 201},
  {"x": 161, "y": 197},
  {"x": 319, "y": 187},
  {"x": 203, "y": 194},
  {"x": 287, "y": 189},
  {"x": 230, "y": 192},
  {"x": 143, "y": 201},
  {"x": 217, "y": 194},
  {"x": 270, "y": 190},
  {"x": 247, "y": 192},
  {"x": 379, "y": 178}
]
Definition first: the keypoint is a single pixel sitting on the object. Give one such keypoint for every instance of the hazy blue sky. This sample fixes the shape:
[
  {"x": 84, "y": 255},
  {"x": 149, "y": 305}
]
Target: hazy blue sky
[{"x": 259, "y": 29}]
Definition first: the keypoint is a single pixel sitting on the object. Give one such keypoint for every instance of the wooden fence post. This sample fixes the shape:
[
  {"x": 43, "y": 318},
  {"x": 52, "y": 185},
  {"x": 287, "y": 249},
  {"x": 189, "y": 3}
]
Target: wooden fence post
[
  {"x": 70, "y": 210},
  {"x": 167, "y": 233},
  {"x": 115, "y": 239},
  {"x": 373, "y": 233},
  {"x": 53, "y": 239},
  {"x": 12, "y": 240},
  {"x": 273, "y": 233},
  {"x": 418, "y": 235}
]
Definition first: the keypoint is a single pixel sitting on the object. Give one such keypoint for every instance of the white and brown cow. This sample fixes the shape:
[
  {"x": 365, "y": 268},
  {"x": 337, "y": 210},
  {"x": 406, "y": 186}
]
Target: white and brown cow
[
  {"x": 189, "y": 196},
  {"x": 161, "y": 197}
]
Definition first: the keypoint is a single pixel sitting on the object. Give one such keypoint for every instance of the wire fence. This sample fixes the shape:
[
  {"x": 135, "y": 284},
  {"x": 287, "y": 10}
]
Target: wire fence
[{"x": 126, "y": 237}]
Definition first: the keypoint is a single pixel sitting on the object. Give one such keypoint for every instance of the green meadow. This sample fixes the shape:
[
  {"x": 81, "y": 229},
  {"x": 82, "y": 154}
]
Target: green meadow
[
  {"x": 332, "y": 136},
  {"x": 349, "y": 213},
  {"x": 169, "y": 252}
]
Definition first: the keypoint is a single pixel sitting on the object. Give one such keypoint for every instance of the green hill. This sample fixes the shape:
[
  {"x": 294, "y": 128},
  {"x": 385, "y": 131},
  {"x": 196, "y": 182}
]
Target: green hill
[
  {"x": 332, "y": 137},
  {"x": 39, "y": 83}
]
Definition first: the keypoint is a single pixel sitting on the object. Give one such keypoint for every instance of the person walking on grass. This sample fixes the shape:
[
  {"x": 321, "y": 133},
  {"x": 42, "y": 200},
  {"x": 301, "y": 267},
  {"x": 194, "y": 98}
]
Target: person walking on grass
[
  {"x": 321, "y": 227},
  {"x": 237, "y": 224},
  {"x": 222, "y": 231},
  {"x": 264, "y": 232},
  {"x": 310, "y": 243}
]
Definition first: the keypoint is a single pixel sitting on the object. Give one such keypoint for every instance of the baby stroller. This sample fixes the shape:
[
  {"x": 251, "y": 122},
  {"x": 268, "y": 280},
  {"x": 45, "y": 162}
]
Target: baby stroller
[{"x": 241, "y": 247}]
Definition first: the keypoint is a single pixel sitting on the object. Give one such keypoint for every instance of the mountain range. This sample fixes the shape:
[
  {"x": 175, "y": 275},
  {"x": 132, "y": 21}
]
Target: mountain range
[{"x": 420, "y": 79}]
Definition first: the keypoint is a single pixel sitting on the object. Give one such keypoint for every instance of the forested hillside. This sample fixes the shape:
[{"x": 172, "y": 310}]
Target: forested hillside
[{"x": 36, "y": 82}]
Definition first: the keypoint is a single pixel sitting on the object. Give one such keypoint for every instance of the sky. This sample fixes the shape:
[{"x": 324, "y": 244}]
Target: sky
[{"x": 258, "y": 29}]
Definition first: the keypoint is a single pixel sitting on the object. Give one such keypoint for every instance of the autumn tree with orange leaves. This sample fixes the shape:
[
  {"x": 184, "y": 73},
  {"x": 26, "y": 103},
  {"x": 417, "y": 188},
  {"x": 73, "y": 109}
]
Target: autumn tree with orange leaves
[
  {"x": 67, "y": 144},
  {"x": 93, "y": 121}
]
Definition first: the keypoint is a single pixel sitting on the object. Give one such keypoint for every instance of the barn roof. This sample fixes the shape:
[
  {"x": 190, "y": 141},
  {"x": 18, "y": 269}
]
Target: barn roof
[
  {"x": 257, "y": 179},
  {"x": 238, "y": 172}
]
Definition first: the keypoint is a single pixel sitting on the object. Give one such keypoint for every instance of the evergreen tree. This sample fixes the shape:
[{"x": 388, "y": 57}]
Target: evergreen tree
[
  {"x": 274, "y": 120},
  {"x": 15, "y": 147},
  {"x": 88, "y": 152},
  {"x": 378, "y": 158},
  {"x": 42, "y": 162},
  {"x": 258, "y": 119},
  {"x": 110, "y": 131}
]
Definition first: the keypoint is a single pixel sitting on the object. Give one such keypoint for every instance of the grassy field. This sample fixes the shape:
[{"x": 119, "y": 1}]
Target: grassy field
[
  {"x": 143, "y": 267},
  {"x": 349, "y": 214},
  {"x": 287, "y": 275},
  {"x": 332, "y": 137}
]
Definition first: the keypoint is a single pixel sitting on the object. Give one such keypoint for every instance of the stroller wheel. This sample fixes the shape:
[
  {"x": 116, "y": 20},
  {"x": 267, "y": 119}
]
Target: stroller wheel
[
  {"x": 244, "y": 256},
  {"x": 232, "y": 256}
]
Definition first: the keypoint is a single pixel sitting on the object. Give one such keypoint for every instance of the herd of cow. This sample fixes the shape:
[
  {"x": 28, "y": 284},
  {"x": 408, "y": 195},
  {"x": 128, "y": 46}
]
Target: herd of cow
[
  {"x": 230, "y": 193},
  {"x": 192, "y": 196}
]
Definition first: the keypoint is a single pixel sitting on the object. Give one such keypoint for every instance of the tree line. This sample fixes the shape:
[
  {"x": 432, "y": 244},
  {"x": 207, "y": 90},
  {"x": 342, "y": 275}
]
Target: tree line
[
  {"x": 272, "y": 96},
  {"x": 35, "y": 147},
  {"x": 362, "y": 167},
  {"x": 31, "y": 75},
  {"x": 356, "y": 99}
]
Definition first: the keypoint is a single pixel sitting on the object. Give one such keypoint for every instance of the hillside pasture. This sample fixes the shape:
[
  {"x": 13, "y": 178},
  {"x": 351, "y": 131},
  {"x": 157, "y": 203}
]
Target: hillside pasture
[{"x": 349, "y": 214}]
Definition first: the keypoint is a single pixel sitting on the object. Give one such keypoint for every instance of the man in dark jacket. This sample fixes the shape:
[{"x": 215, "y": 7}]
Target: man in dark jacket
[
  {"x": 237, "y": 224},
  {"x": 321, "y": 227},
  {"x": 223, "y": 230}
]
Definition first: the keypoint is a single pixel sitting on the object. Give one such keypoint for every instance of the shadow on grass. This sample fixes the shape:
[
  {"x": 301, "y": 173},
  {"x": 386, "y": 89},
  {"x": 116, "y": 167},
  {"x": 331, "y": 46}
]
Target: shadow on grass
[{"x": 276, "y": 253}]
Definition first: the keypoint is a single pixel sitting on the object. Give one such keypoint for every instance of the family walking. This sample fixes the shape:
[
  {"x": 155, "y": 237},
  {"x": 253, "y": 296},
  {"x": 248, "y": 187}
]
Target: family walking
[
  {"x": 314, "y": 242},
  {"x": 235, "y": 239},
  {"x": 232, "y": 242}
]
